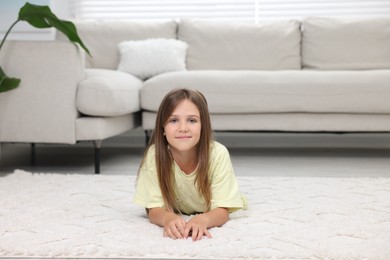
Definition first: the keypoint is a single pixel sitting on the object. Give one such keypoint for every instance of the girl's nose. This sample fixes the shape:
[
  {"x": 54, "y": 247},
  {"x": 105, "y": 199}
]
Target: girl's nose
[{"x": 183, "y": 127}]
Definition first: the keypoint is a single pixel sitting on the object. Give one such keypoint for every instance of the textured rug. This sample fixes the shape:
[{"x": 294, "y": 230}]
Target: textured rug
[{"x": 91, "y": 216}]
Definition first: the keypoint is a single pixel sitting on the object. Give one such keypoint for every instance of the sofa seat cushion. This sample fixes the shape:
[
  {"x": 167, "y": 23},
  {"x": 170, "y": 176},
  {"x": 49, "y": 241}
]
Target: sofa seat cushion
[
  {"x": 108, "y": 93},
  {"x": 239, "y": 92}
]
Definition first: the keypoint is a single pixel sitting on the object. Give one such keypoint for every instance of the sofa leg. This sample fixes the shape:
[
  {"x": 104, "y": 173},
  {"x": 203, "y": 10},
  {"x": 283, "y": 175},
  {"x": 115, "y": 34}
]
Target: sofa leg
[
  {"x": 32, "y": 154},
  {"x": 148, "y": 134},
  {"x": 98, "y": 145}
]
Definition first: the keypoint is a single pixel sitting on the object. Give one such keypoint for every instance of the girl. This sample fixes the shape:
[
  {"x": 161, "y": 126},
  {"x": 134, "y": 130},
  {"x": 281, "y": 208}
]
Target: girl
[{"x": 185, "y": 172}]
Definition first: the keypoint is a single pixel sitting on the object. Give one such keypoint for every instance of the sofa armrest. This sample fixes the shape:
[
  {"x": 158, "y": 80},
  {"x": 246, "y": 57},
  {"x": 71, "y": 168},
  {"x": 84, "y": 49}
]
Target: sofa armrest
[{"x": 43, "y": 108}]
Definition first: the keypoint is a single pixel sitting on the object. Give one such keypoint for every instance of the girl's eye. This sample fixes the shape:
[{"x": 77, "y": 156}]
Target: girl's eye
[
  {"x": 192, "y": 120},
  {"x": 173, "y": 120}
]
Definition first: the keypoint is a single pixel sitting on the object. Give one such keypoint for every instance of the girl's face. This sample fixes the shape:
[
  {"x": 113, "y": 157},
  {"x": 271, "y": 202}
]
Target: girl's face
[{"x": 183, "y": 127}]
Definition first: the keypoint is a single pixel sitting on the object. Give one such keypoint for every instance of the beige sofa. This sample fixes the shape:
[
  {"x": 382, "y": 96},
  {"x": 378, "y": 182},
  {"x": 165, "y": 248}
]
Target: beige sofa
[
  {"x": 316, "y": 74},
  {"x": 319, "y": 74},
  {"x": 309, "y": 75},
  {"x": 43, "y": 109}
]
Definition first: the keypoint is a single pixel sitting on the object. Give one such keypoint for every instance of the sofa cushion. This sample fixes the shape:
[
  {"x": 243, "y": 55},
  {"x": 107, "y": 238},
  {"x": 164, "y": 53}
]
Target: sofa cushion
[
  {"x": 233, "y": 45},
  {"x": 335, "y": 43},
  {"x": 148, "y": 58},
  {"x": 108, "y": 93},
  {"x": 103, "y": 37},
  {"x": 242, "y": 92}
]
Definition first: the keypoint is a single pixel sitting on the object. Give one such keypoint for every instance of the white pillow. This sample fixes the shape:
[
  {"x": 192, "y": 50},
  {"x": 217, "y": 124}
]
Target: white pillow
[{"x": 147, "y": 58}]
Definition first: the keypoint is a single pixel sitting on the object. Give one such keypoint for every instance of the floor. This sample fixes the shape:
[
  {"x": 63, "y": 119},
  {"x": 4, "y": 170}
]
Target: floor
[
  {"x": 272, "y": 154},
  {"x": 278, "y": 154}
]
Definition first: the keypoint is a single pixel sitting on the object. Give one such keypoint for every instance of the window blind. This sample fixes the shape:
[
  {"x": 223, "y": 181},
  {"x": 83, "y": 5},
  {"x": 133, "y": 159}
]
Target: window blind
[
  {"x": 294, "y": 9},
  {"x": 164, "y": 9},
  {"x": 243, "y": 10}
]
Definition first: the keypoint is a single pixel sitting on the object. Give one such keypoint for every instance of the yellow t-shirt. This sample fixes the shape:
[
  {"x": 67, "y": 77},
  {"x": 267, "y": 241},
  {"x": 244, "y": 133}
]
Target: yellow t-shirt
[{"x": 224, "y": 188}]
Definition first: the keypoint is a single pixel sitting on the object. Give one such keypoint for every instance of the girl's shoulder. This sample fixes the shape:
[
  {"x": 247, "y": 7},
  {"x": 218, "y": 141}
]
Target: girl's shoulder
[
  {"x": 220, "y": 163},
  {"x": 218, "y": 150},
  {"x": 217, "y": 146},
  {"x": 150, "y": 156}
]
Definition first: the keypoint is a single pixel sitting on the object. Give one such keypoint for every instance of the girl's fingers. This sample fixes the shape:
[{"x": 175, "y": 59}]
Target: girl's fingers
[
  {"x": 198, "y": 235},
  {"x": 180, "y": 227},
  {"x": 175, "y": 228},
  {"x": 168, "y": 233},
  {"x": 173, "y": 232},
  {"x": 187, "y": 232},
  {"x": 177, "y": 233}
]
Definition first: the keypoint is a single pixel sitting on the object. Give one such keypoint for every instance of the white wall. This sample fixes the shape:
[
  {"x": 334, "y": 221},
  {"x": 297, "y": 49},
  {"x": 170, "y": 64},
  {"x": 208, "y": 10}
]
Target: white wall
[
  {"x": 24, "y": 31},
  {"x": 61, "y": 8}
]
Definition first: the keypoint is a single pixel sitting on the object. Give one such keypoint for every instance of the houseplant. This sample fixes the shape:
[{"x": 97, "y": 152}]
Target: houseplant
[{"x": 39, "y": 17}]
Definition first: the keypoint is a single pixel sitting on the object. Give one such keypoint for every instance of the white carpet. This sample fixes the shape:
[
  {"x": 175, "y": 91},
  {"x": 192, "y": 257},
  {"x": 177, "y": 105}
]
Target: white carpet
[{"x": 81, "y": 216}]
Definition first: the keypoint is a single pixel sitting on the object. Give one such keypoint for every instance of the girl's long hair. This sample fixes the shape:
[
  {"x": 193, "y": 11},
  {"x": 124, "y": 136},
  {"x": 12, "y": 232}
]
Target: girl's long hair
[{"x": 164, "y": 159}]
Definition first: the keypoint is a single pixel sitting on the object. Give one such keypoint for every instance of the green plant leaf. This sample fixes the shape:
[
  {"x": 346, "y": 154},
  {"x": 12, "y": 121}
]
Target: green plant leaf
[
  {"x": 42, "y": 17},
  {"x": 7, "y": 83}
]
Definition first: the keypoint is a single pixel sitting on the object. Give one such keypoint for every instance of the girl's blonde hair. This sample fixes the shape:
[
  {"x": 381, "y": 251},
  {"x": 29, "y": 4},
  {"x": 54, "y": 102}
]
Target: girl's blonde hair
[{"x": 164, "y": 159}]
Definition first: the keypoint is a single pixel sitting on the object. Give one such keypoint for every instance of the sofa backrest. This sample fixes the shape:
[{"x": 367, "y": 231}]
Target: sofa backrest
[
  {"x": 232, "y": 45},
  {"x": 102, "y": 38},
  {"x": 313, "y": 43},
  {"x": 347, "y": 43}
]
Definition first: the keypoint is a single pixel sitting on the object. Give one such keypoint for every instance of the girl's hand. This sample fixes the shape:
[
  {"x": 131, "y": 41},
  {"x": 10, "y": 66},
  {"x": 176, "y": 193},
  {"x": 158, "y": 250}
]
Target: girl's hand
[
  {"x": 174, "y": 226},
  {"x": 197, "y": 228}
]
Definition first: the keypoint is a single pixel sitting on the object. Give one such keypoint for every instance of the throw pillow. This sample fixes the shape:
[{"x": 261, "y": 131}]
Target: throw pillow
[{"x": 148, "y": 58}]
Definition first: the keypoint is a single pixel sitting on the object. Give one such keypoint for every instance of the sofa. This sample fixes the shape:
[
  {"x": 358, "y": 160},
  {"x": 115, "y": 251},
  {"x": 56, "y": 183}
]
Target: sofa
[
  {"x": 43, "y": 109},
  {"x": 317, "y": 74}
]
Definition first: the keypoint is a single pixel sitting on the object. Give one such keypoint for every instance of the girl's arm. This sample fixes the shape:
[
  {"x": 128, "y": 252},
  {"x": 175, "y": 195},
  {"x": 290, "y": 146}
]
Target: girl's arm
[
  {"x": 200, "y": 224},
  {"x": 173, "y": 224}
]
